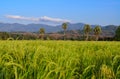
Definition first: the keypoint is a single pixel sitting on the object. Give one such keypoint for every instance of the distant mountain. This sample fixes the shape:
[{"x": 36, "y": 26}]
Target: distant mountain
[
  {"x": 75, "y": 26},
  {"x": 15, "y": 27},
  {"x": 109, "y": 30},
  {"x": 7, "y": 27}
]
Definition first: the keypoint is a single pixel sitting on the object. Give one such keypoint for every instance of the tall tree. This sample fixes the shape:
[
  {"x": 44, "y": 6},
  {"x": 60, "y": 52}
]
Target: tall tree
[
  {"x": 117, "y": 34},
  {"x": 97, "y": 31},
  {"x": 87, "y": 29},
  {"x": 42, "y": 32},
  {"x": 64, "y": 27}
]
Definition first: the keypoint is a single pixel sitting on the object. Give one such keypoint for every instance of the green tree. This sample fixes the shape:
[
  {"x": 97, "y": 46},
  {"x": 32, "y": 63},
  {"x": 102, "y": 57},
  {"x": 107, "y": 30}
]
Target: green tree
[
  {"x": 4, "y": 35},
  {"x": 87, "y": 29},
  {"x": 42, "y": 32},
  {"x": 117, "y": 34},
  {"x": 64, "y": 27},
  {"x": 97, "y": 31}
]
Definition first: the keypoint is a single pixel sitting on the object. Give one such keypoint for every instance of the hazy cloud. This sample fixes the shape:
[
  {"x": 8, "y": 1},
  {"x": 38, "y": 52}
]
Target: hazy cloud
[
  {"x": 49, "y": 19},
  {"x": 41, "y": 19},
  {"x": 22, "y": 18}
]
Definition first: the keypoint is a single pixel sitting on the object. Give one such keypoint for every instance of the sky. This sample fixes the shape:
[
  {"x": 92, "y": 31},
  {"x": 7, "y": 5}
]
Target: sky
[{"x": 53, "y": 12}]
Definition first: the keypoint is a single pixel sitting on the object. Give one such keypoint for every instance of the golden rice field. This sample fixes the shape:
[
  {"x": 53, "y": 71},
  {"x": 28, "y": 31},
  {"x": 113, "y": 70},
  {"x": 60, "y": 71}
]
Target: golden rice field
[{"x": 59, "y": 60}]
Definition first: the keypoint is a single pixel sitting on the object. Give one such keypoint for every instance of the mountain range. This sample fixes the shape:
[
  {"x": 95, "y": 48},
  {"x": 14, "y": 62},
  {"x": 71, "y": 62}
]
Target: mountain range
[{"x": 16, "y": 27}]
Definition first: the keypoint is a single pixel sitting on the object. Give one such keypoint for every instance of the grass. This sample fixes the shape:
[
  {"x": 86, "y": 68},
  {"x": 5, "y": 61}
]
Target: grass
[{"x": 59, "y": 60}]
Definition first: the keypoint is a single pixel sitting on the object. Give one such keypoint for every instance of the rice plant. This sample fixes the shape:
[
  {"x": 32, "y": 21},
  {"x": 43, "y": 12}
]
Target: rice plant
[{"x": 59, "y": 60}]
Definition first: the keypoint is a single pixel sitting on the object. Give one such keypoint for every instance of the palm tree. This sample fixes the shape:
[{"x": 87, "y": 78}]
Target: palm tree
[
  {"x": 97, "y": 31},
  {"x": 42, "y": 32},
  {"x": 117, "y": 34},
  {"x": 87, "y": 29},
  {"x": 64, "y": 27}
]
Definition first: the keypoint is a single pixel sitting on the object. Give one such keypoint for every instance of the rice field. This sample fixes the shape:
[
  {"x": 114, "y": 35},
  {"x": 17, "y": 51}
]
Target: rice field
[{"x": 59, "y": 60}]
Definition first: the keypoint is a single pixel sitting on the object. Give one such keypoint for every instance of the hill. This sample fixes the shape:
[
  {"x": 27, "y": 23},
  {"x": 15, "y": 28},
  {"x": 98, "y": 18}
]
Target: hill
[{"x": 15, "y": 27}]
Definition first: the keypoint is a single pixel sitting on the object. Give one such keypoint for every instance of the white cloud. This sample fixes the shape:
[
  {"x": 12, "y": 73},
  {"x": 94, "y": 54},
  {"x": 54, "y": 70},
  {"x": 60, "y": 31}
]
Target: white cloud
[
  {"x": 22, "y": 18},
  {"x": 41, "y": 19},
  {"x": 49, "y": 19}
]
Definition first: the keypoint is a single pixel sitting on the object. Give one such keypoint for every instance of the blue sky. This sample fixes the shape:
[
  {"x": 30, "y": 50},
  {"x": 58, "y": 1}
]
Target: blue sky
[{"x": 102, "y": 12}]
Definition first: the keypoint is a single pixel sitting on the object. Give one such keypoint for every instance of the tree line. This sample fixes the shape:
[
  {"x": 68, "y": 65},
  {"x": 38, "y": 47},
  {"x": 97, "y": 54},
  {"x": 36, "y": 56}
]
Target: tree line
[
  {"x": 86, "y": 34},
  {"x": 87, "y": 29}
]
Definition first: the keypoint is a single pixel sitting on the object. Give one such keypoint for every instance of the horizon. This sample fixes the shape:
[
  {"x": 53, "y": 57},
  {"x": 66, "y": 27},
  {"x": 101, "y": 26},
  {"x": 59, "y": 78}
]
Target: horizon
[
  {"x": 61, "y": 24},
  {"x": 55, "y": 12}
]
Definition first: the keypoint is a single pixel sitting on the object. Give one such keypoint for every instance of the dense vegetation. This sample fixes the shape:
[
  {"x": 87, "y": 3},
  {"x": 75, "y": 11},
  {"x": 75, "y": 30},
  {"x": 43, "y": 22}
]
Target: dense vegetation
[
  {"x": 87, "y": 34},
  {"x": 117, "y": 34},
  {"x": 59, "y": 60},
  {"x": 70, "y": 35}
]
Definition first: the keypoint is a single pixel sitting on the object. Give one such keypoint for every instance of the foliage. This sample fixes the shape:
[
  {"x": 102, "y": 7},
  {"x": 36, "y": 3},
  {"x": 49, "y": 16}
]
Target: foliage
[
  {"x": 116, "y": 64},
  {"x": 117, "y": 34},
  {"x": 97, "y": 31},
  {"x": 59, "y": 60},
  {"x": 42, "y": 32},
  {"x": 87, "y": 29},
  {"x": 4, "y": 35},
  {"x": 64, "y": 27}
]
